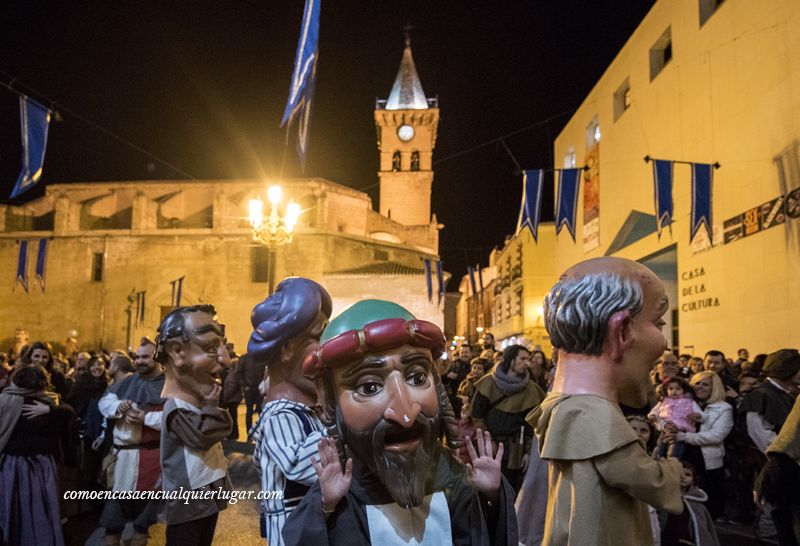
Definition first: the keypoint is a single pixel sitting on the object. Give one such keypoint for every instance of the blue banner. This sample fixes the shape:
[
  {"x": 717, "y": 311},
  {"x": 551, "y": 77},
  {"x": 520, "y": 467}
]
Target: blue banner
[
  {"x": 304, "y": 75},
  {"x": 531, "y": 209},
  {"x": 34, "y": 122},
  {"x": 41, "y": 260},
  {"x": 22, "y": 265},
  {"x": 567, "y": 200},
  {"x": 480, "y": 280},
  {"x": 440, "y": 279},
  {"x": 471, "y": 271},
  {"x": 702, "y": 178},
  {"x": 428, "y": 279},
  {"x": 662, "y": 181}
]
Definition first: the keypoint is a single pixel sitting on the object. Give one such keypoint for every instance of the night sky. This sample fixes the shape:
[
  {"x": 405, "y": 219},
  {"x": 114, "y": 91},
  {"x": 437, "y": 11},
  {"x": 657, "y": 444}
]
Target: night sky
[{"x": 202, "y": 85}]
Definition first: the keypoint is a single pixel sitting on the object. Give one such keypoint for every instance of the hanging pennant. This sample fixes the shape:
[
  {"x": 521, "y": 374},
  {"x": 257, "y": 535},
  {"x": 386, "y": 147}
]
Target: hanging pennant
[
  {"x": 41, "y": 260},
  {"x": 531, "y": 208},
  {"x": 179, "y": 292},
  {"x": 480, "y": 280},
  {"x": 440, "y": 280},
  {"x": 662, "y": 177},
  {"x": 22, "y": 265},
  {"x": 567, "y": 200},
  {"x": 702, "y": 178},
  {"x": 471, "y": 271},
  {"x": 428, "y": 279}
]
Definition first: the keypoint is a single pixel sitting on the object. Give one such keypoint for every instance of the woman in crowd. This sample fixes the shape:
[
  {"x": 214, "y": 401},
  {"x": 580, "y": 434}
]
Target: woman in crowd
[
  {"x": 84, "y": 395},
  {"x": 503, "y": 398},
  {"x": 30, "y": 419},
  {"x": 538, "y": 369},
  {"x": 710, "y": 394},
  {"x": 39, "y": 353}
]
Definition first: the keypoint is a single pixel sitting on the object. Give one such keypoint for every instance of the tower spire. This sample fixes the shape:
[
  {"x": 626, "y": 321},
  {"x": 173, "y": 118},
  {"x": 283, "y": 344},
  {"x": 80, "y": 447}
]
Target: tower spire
[{"x": 407, "y": 93}]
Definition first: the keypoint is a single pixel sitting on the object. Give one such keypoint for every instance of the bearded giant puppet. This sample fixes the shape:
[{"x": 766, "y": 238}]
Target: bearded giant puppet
[{"x": 385, "y": 476}]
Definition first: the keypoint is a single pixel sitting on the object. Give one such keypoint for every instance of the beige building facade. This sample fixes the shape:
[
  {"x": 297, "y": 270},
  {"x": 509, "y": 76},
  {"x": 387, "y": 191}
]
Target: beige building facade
[
  {"x": 700, "y": 81},
  {"x": 108, "y": 243}
]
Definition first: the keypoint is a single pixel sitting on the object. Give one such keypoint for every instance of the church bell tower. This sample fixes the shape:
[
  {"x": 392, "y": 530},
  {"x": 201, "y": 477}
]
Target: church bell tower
[{"x": 406, "y": 123}]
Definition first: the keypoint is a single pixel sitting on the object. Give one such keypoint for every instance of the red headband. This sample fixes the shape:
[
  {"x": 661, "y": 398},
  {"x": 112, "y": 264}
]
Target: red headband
[{"x": 376, "y": 336}]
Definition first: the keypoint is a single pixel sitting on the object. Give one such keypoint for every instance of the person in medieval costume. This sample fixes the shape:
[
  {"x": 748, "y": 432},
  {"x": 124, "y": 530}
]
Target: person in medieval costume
[
  {"x": 779, "y": 482},
  {"x": 286, "y": 326},
  {"x": 133, "y": 408},
  {"x": 604, "y": 317},
  {"x": 191, "y": 346},
  {"x": 384, "y": 476}
]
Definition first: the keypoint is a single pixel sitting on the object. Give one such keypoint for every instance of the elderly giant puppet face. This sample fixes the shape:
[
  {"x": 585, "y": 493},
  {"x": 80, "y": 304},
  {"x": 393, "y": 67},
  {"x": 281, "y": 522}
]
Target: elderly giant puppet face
[
  {"x": 192, "y": 364},
  {"x": 388, "y": 414}
]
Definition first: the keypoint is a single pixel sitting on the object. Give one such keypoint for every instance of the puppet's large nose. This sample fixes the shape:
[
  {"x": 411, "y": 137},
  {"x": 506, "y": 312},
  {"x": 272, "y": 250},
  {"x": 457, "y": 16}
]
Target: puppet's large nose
[{"x": 402, "y": 410}]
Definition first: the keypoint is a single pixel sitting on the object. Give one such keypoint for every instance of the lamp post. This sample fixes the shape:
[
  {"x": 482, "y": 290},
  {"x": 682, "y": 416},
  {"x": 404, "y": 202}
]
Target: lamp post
[{"x": 274, "y": 230}]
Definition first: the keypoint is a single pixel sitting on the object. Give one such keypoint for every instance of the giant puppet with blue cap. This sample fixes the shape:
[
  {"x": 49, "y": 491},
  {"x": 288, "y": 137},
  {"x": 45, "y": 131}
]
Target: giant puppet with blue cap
[{"x": 384, "y": 474}]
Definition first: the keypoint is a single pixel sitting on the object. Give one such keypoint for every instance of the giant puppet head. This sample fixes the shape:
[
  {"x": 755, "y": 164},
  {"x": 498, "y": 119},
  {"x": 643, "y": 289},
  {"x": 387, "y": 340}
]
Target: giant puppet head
[
  {"x": 608, "y": 313},
  {"x": 191, "y": 346},
  {"x": 286, "y": 326},
  {"x": 381, "y": 394}
]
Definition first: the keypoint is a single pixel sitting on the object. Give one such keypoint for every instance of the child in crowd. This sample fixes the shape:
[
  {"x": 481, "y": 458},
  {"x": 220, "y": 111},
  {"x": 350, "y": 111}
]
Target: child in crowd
[
  {"x": 676, "y": 405},
  {"x": 694, "y": 525},
  {"x": 644, "y": 430},
  {"x": 477, "y": 370},
  {"x": 467, "y": 429}
]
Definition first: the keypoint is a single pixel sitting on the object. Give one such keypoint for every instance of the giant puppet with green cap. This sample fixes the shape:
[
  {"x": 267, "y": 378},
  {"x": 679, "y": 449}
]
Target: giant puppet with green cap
[{"x": 385, "y": 475}]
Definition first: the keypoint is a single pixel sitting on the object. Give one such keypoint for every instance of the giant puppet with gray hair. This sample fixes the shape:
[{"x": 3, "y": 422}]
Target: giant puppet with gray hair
[
  {"x": 384, "y": 473},
  {"x": 604, "y": 316}
]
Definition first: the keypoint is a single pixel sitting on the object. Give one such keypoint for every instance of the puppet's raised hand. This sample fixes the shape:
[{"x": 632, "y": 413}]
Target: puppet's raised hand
[
  {"x": 484, "y": 470},
  {"x": 333, "y": 483}
]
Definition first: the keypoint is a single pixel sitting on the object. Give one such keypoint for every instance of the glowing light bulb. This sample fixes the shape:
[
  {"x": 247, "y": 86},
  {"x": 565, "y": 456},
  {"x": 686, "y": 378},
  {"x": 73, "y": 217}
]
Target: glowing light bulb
[
  {"x": 292, "y": 214},
  {"x": 274, "y": 194},
  {"x": 255, "y": 207}
]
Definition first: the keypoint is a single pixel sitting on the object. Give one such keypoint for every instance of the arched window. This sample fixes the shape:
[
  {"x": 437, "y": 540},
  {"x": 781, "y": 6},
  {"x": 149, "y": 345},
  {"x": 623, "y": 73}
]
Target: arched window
[
  {"x": 415, "y": 161},
  {"x": 396, "y": 162}
]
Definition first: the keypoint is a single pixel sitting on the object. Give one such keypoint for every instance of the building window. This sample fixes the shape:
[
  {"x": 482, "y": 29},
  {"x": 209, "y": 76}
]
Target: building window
[
  {"x": 381, "y": 255},
  {"x": 259, "y": 257},
  {"x": 97, "y": 267},
  {"x": 661, "y": 53},
  {"x": 592, "y": 134},
  {"x": 570, "y": 159},
  {"x": 707, "y": 9},
  {"x": 415, "y": 161},
  {"x": 396, "y": 162},
  {"x": 622, "y": 99}
]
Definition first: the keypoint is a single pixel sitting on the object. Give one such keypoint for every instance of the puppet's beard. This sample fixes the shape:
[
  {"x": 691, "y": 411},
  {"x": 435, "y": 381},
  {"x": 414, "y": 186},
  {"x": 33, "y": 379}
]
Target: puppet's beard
[{"x": 403, "y": 473}]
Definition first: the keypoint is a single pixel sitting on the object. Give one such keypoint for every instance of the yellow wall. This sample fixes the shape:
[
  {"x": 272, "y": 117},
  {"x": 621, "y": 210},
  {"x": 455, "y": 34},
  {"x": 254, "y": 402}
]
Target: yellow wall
[{"x": 731, "y": 93}]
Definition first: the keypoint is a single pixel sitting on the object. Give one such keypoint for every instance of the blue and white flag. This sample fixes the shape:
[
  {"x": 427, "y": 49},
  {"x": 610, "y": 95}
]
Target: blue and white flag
[
  {"x": 567, "y": 199},
  {"x": 702, "y": 178},
  {"x": 41, "y": 260},
  {"x": 22, "y": 265},
  {"x": 34, "y": 122},
  {"x": 428, "y": 279},
  {"x": 662, "y": 180},
  {"x": 530, "y": 211},
  {"x": 304, "y": 75},
  {"x": 440, "y": 280}
]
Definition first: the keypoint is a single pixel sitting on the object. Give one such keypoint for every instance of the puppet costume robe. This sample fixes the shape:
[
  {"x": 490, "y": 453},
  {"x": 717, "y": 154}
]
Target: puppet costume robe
[
  {"x": 456, "y": 513},
  {"x": 601, "y": 478}
]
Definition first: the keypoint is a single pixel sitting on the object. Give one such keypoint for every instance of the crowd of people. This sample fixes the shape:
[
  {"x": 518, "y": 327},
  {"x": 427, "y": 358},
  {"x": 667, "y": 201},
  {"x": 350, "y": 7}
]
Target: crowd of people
[{"x": 93, "y": 420}]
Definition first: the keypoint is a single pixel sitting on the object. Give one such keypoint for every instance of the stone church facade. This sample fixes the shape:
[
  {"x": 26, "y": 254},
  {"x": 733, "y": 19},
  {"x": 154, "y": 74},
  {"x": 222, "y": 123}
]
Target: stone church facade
[{"x": 109, "y": 242}]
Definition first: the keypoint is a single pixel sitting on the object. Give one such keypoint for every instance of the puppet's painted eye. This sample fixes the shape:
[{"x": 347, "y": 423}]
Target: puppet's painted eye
[
  {"x": 369, "y": 388},
  {"x": 417, "y": 379}
]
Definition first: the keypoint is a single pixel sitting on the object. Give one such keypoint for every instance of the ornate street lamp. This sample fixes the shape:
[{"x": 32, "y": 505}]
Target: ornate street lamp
[{"x": 274, "y": 230}]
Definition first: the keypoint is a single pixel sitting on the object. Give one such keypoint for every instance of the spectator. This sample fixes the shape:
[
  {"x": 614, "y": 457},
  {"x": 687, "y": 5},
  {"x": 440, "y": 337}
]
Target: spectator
[
  {"x": 538, "y": 369},
  {"x": 232, "y": 395},
  {"x": 457, "y": 372},
  {"x": 467, "y": 388},
  {"x": 502, "y": 401},
  {"x": 251, "y": 373},
  {"x": 694, "y": 525},
  {"x": 667, "y": 367},
  {"x": 488, "y": 341},
  {"x": 768, "y": 405},
  {"x": 715, "y": 362},
  {"x": 710, "y": 394},
  {"x": 677, "y": 407},
  {"x": 30, "y": 420},
  {"x": 39, "y": 353},
  {"x": 84, "y": 396},
  {"x": 779, "y": 483},
  {"x": 644, "y": 430},
  {"x": 696, "y": 365},
  {"x": 120, "y": 368}
]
